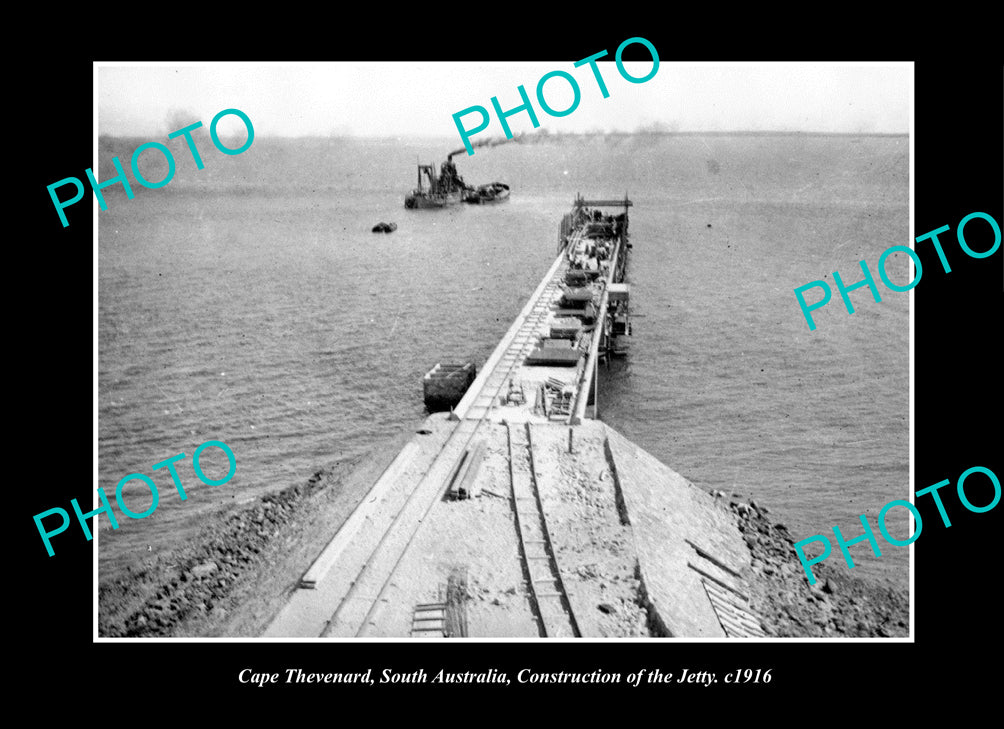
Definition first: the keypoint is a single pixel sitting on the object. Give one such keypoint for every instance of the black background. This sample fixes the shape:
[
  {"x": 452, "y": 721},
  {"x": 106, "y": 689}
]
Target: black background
[{"x": 958, "y": 128}]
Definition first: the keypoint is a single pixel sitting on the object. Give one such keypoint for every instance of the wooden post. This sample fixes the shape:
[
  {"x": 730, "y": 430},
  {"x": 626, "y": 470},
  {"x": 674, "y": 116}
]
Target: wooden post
[{"x": 596, "y": 390}]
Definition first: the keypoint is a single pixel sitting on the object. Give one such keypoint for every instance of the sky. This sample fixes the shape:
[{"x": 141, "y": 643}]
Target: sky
[{"x": 396, "y": 99}]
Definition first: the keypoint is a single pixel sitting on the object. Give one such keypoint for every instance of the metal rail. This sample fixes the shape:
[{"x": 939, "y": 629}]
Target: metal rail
[
  {"x": 360, "y": 603},
  {"x": 548, "y": 596},
  {"x": 582, "y": 393},
  {"x": 348, "y": 608},
  {"x": 532, "y": 312}
]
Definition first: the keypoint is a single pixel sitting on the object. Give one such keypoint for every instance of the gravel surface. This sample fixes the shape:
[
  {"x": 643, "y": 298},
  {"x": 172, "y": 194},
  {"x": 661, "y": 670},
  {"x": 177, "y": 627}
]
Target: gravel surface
[
  {"x": 839, "y": 605},
  {"x": 593, "y": 545},
  {"x": 236, "y": 574}
]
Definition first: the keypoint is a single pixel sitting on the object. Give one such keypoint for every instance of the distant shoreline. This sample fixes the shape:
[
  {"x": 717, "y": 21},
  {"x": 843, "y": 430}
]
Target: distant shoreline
[{"x": 544, "y": 135}]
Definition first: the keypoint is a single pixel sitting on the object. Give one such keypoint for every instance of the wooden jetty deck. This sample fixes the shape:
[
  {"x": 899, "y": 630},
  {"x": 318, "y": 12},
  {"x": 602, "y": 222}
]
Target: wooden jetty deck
[{"x": 391, "y": 558}]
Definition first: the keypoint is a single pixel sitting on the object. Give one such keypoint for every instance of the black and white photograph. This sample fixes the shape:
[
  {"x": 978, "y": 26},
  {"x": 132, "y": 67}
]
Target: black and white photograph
[
  {"x": 616, "y": 414},
  {"x": 445, "y": 360}
]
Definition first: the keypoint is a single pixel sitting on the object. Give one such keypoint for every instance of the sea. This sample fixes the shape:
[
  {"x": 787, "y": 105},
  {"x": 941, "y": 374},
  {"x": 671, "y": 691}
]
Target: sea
[{"x": 249, "y": 302}]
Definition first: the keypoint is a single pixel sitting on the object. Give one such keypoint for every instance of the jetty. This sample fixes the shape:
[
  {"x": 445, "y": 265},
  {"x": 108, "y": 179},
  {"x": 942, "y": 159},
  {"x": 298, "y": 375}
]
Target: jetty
[{"x": 517, "y": 513}]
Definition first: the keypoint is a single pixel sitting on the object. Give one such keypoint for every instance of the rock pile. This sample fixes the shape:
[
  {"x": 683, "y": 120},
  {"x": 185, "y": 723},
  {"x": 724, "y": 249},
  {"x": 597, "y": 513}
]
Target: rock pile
[
  {"x": 839, "y": 605},
  {"x": 194, "y": 582}
]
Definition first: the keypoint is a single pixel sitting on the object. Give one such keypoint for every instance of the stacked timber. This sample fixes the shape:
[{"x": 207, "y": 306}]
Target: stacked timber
[
  {"x": 554, "y": 357},
  {"x": 565, "y": 328},
  {"x": 464, "y": 479},
  {"x": 577, "y": 278}
]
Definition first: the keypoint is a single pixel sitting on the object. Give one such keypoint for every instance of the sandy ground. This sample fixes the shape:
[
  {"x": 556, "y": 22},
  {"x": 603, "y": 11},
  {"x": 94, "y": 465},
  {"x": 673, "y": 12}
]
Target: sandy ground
[
  {"x": 236, "y": 574},
  {"x": 594, "y": 546},
  {"x": 479, "y": 538},
  {"x": 476, "y": 535}
]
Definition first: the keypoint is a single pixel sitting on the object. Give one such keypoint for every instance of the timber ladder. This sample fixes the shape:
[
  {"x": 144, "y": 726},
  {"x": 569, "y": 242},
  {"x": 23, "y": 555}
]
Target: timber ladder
[{"x": 546, "y": 588}]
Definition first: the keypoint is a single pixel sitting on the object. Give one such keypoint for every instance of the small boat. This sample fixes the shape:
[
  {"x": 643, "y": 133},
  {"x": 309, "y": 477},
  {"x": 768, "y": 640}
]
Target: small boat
[
  {"x": 491, "y": 193},
  {"x": 385, "y": 227}
]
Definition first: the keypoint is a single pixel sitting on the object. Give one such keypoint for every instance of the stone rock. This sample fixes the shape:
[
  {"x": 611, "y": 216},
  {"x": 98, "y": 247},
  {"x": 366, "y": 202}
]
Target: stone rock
[
  {"x": 606, "y": 608},
  {"x": 830, "y": 586},
  {"x": 204, "y": 569}
]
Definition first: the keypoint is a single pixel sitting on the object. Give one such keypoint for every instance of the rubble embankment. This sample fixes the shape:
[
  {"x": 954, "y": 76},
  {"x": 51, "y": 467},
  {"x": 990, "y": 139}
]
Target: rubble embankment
[
  {"x": 839, "y": 605},
  {"x": 236, "y": 574},
  {"x": 233, "y": 578}
]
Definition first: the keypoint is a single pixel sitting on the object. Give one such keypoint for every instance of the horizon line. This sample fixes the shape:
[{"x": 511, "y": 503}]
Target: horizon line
[{"x": 553, "y": 135}]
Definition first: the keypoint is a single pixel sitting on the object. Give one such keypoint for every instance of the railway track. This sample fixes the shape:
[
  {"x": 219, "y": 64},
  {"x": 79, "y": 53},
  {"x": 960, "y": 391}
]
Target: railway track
[
  {"x": 344, "y": 590},
  {"x": 547, "y": 593},
  {"x": 359, "y": 609},
  {"x": 521, "y": 345}
]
